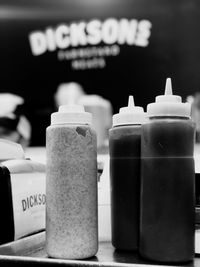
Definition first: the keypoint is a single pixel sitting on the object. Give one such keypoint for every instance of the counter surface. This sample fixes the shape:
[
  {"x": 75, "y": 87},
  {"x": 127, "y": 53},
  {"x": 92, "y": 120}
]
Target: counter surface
[{"x": 30, "y": 251}]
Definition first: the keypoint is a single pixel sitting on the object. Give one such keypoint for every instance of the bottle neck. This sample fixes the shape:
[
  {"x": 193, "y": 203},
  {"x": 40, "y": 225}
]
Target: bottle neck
[
  {"x": 126, "y": 125},
  {"x": 169, "y": 117}
]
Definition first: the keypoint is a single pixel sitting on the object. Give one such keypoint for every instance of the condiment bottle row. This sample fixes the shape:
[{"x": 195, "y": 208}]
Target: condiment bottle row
[{"x": 151, "y": 176}]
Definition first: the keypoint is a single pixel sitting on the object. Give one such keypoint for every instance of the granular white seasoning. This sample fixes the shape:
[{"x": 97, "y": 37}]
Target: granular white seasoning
[{"x": 71, "y": 191}]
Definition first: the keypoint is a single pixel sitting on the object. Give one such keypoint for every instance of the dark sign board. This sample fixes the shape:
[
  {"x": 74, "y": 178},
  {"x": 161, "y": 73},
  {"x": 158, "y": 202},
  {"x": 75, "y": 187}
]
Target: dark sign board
[{"x": 112, "y": 48}]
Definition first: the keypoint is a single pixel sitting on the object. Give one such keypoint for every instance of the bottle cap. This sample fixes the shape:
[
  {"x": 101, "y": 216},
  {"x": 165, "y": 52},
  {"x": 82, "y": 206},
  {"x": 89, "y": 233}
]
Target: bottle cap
[
  {"x": 168, "y": 104},
  {"x": 129, "y": 115},
  {"x": 71, "y": 114}
]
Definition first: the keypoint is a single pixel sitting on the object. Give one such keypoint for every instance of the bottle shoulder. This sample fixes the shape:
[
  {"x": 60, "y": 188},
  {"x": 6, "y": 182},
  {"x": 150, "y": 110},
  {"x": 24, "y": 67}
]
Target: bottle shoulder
[
  {"x": 70, "y": 127},
  {"x": 125, "y": 127},
  {"x": 125, "y": 130},
  {"x": 170, "y": 128},
  {"x": 170, "y": 120}
]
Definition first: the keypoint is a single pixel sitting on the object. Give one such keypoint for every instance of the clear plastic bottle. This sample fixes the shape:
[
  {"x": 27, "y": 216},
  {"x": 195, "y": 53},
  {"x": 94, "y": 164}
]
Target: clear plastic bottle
[
  {"x": 167, "y": 181},
  {"x": 124, "y": 146},
  {"x": 71, "y": 186}
]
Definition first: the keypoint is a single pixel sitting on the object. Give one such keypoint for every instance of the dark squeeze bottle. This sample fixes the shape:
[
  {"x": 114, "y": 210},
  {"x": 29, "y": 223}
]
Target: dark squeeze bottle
[
  {"x": 124, "y": 146},
  {"x": 167, "y": 181}
]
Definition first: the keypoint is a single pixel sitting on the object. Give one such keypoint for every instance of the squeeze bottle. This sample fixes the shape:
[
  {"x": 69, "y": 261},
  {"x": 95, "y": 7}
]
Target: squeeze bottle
[
  {"x": 71, "y": 185},
  {"x": 167, "y": 180},
  {"x": 124, "y": 147}
]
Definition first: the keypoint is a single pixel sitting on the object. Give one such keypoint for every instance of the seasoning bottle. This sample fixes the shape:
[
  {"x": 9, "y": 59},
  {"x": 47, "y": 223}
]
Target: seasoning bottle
[
  {"x": 167, "y": 180},
  {"x": 71, "y": 186},
  {"x": 124, "y": 147}
]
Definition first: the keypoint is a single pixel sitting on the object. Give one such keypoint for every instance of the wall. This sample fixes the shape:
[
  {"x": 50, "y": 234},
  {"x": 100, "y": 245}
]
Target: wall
[{"x": 162, "y": 39}]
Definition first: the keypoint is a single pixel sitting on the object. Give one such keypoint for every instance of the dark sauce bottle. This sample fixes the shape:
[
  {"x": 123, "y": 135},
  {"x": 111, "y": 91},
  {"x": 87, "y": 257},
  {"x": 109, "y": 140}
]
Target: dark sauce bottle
[
  {"x": 167, "y": 181},
  {"x": 124, "y": 146}
]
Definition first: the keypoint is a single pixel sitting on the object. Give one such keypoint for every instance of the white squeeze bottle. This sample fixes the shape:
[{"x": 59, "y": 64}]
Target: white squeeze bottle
[{"x": 71, "y": 185}]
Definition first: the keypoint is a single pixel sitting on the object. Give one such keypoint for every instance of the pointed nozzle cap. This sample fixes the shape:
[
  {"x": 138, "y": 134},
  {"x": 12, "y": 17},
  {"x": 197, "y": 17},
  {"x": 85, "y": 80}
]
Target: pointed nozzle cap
[
  {"x": 168, "y": 96},
  {"x": 131, "y": 106},
  {"x": 131, "y": 102},
  {"x": 129, "y": 115},
  {"x": 168, "y": 87},
  {"x": 169, "y": 104}
]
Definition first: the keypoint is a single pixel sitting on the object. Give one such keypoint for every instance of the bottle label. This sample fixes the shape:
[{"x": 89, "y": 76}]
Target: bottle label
[{"x": 29, "y": 199}]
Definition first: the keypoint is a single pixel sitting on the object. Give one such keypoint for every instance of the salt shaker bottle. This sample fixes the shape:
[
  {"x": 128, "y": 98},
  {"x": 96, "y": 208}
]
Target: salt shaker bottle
[
  {"x": 71, "y": 186},
  {"x": 124, "y": 146},
  {"x": 167, "y": 181}
]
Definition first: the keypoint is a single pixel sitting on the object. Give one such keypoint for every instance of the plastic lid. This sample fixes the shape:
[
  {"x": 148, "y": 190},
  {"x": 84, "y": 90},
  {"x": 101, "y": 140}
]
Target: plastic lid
[
  {"x": 129, "y": 115},
  {"x": 168, "y": 104},
  {"x": 71, "y": 114}
]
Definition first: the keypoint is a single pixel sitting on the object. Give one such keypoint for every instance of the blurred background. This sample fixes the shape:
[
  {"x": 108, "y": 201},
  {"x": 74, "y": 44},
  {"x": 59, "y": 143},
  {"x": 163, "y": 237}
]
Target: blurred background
[{"x": 107, "y": 48}]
